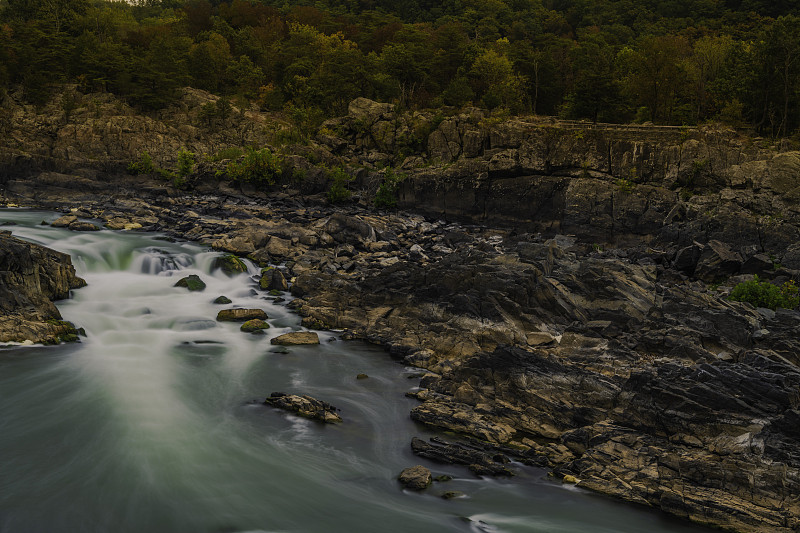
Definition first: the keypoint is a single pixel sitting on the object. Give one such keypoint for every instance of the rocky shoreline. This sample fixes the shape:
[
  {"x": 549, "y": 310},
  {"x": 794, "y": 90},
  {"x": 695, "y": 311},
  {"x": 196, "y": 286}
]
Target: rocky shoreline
[
  {"x": 571, "y": 315},
  {"x": 31, "y": 278}
]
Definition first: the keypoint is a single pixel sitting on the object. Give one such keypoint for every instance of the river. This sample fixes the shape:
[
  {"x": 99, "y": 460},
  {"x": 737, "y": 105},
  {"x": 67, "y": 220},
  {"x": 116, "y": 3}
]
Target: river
[{"x": 153, "y": 423}]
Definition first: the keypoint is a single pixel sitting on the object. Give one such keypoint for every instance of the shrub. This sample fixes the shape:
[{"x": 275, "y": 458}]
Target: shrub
[
  {"x": 765, "y": 294},
  {"x": 386, "y": 196},
  {"x": 143, "y": 165},
  {"x": 259, "y": 166},
  {"x": 186, "y": 160},
  {"x": 339, "y": 192}
]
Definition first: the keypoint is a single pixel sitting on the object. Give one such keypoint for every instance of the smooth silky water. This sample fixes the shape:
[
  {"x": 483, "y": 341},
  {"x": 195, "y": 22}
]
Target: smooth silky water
[{"x": 153, "y": 422}]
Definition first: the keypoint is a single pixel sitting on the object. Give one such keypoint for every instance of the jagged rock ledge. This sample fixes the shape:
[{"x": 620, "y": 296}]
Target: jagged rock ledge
[{"x": 31, "y": 278}]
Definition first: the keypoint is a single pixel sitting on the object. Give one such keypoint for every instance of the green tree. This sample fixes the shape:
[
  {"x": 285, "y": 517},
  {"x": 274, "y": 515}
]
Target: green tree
[
  {"x": 495, "y": 82},
  {"x": 656, "y": 74},
  {"x": 208, "y": 62}
]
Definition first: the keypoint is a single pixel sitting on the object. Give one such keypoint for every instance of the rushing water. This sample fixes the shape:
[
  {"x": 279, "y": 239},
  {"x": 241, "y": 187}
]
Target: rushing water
[{"x": 148, "y": 425}]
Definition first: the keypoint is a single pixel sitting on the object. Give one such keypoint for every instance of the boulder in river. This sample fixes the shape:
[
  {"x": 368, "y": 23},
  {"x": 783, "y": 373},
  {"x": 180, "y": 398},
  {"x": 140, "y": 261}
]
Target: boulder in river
[
  {"x": 415, "y": 477},
  {"x": 191, "y": 282},
  {"x": 222, "y": 300},
  {"x": 241, "y": 315},
  {"x": 229, "y": 264},
  {"x": 305, "y": 406},
  {"x": 273, "y": 279},
  {"x": 296, "y": 338},
  {"x": 255, "y": 325}
]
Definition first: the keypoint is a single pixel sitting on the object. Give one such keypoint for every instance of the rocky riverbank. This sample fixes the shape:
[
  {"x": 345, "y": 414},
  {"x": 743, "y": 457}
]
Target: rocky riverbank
[
  {"x": 31, "y": 278},
  {"x": 564, "y": 287}
]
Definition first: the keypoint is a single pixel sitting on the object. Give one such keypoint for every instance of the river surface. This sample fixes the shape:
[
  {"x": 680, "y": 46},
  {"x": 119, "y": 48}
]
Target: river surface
[{"x": 149, "y": 424}]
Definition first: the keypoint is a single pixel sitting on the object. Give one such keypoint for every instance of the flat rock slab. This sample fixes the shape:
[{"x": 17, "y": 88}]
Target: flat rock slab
[
  {"x": 305, "y": 406},
  {"x": 296, "y": 338},
  {"x": 241, "y": 315}
]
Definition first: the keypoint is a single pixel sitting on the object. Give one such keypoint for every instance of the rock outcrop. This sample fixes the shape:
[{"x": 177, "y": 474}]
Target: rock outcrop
[
  {"x": 305, "y": 406},
  {"x": 31, "y": 278}
]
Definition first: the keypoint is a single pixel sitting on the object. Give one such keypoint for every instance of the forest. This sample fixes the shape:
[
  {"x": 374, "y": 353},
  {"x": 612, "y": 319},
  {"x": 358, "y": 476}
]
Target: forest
[{"x": 673, "y": 62}]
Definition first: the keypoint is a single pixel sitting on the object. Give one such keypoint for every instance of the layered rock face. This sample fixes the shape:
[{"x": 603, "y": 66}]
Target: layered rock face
[{"x": 31, "y": 277}]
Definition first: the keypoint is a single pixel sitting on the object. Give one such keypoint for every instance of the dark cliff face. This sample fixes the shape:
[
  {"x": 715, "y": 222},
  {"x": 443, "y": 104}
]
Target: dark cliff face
[{"x": 31, "y": 277}]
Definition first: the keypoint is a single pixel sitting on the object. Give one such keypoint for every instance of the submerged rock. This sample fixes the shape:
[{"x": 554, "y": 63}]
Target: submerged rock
[
  {"x": 241, "y": 315},
  {"x": 305, "y": 406},
  {"x": 415, "y": 478},
  {"x": 191, "y": 282},
  {"x": 296, "y": 338}
]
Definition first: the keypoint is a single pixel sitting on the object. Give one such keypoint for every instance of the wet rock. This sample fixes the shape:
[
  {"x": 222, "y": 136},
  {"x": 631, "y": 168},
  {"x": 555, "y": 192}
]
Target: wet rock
[
  {"x": 191, "y": 282},
  {"x": 296, "y": 338},
  {"x": 83, "y": 226},
  {"x": 480, "y": 462},
  {"x": 255, "y": 325},
  {"x": 304, "y": 406},
  {"x": 229, "y": 264},
  {"x": 64, "y": 221},
  {"x": 415, "y": 478},
  {"x": 222, "y": 300},
  {"x": 273, "y": 279},
  {"x": 31, "y": 278},
  {"x": 362, "y": 376},
  {"x": 450, "y": 494},
  {"x": 241, "y": 315}
]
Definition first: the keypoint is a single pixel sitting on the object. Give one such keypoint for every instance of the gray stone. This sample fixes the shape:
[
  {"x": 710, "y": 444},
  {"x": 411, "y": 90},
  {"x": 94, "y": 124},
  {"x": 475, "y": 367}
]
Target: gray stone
[{"x": 415, "y": 478}]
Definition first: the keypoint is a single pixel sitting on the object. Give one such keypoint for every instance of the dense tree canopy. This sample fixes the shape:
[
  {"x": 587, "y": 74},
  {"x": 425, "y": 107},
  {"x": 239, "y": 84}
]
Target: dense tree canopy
[{"x": 665, "y": 61}]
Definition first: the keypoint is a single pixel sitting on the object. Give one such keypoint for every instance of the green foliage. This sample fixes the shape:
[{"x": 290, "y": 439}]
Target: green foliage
[
  {"x": 386, "y": 196},
  {"x": 625, "y": 185},
  {"x": 765, "y": 294},
  {"x": 143, "y": 165},
  {"x": 186, "y": 161},
  {"x": 676, "y": 62},
  {"x": 339, "y": 191},
  {"x": 257, "y": 166}
]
